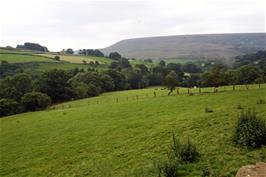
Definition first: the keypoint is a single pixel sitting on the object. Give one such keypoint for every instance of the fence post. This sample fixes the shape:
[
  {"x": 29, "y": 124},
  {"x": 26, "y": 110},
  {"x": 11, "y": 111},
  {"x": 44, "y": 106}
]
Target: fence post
[
  {"x": 154, "y": 94},
  {"x": 199, "y": 89},
  {"x": 117, "y": 100},
  {"x": 234, "y": 87},
  {"x": 188, "y": 90}
]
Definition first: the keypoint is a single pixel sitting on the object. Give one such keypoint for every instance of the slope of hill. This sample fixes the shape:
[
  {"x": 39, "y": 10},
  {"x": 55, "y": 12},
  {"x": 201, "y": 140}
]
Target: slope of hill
[
  {"x": 210, "y": 46},
  {"x": 23, "y": 58},
  {"x": 101, "y": 136}
]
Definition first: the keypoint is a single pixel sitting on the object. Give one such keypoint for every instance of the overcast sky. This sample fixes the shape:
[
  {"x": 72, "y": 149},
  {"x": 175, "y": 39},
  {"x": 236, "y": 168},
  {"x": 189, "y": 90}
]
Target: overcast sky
[{"x": 59, "y": 24}]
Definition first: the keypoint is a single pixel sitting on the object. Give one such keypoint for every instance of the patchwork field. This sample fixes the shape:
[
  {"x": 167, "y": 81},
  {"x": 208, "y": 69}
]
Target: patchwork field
[
  {"x": 23, "y": 58},
  {"x": 79, "y": 59},
  {"x": 123, "y": 133}
]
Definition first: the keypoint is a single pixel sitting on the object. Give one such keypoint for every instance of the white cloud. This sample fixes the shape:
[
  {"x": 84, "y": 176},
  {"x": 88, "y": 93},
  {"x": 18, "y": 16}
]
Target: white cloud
[{"x": 60, "y": 24}]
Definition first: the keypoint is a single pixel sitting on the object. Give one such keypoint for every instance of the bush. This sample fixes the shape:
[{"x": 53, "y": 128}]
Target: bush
[
  {"x": 35, "y": 101},
  {"x": 250, "y": 131},
  {"x": 8, "y": 107},
  {"x": 185, "y": 153},
  {"x": 57, "y": 58}
]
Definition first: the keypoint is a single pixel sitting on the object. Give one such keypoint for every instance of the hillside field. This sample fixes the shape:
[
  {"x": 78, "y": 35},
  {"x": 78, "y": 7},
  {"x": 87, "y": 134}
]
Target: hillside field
[
  {"x": 23, "y": 58},
  {"x": 80, "y": 59},
  {"x": 123, "y": 133}
]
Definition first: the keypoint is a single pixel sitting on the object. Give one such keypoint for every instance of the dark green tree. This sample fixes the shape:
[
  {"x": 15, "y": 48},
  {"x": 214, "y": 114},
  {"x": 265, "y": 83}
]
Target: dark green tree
[
  {"x": 69, "y": 51},
  {"x": 118, "y": 78},
  {"x": 34, "y": 101},
  {"x": 55, "y": 84},
  {"x": 8, "y": 107},
  {"x": 115, "y": 56},
  {"x": 170, "y": 81}
]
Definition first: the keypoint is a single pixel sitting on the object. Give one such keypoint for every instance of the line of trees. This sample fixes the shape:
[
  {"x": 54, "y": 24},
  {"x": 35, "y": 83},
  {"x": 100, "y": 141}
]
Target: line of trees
[
  {"x": 91, "y": 52},
  {"x": 33, "y": 46},
  {"x": 21, "y": 92}
]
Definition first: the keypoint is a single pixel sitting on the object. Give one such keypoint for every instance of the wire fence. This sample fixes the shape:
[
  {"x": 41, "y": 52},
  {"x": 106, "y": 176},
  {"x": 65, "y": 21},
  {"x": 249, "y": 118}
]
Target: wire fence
[{"x": 138, "y": 95}]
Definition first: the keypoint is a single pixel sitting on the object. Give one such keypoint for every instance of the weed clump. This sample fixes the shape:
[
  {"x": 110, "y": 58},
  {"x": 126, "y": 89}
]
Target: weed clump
[
  {"x": 178, "y": 155},
  {"x": 208, "y": 110},
  {"x": 239, "y": 106},
  {"x": 168, "y": 168},
  {"x": 206, "y": 170},
  {"x": 261, "y": 101},
  {"x": 250, "y": 131},
  {"x": 185, "y": 153}
]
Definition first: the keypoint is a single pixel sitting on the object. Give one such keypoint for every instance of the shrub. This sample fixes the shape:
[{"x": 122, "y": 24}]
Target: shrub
[
  {"x": 35, "y": 101},
  {"x": 57, "y": 58},
  {"x": 260, "y": 101},
  {"x": 250, "y": 130},
  {"x": 8, "y": 107},
  {"x": 208, "y": 110}
]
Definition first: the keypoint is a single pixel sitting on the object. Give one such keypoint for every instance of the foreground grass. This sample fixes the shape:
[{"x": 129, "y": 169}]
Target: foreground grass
[{"x": 119, "y": 134}]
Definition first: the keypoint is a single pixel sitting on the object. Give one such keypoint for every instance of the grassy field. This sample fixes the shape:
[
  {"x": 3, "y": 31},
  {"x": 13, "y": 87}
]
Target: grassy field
[
  {"x": 23, "y": 58},
  {"x": 180, "y": 60},
  {"x": 59, "y": 65},
  {"x": 123, "y": 133},
  {"x": 79, "y": 59},
  {"x": 19, "y": 51}
]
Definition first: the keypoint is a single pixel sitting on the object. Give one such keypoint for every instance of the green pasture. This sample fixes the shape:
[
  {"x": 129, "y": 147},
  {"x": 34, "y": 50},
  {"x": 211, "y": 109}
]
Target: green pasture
[
  {"x": 23, "y": 58},
  {"x": 123, "y": 133},
  {"x": 79, "y": 59}
]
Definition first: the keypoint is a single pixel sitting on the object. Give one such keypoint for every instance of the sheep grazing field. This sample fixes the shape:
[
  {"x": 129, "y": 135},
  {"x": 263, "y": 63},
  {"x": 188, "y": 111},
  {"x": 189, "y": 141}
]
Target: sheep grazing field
[{"x": 124, "y": 133}]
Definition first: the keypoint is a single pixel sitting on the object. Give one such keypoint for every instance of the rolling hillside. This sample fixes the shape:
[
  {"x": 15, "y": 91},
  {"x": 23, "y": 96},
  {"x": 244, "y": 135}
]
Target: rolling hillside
[
  {"x": 117, "y": 134},
  {"x": 210, "y": 46}
]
